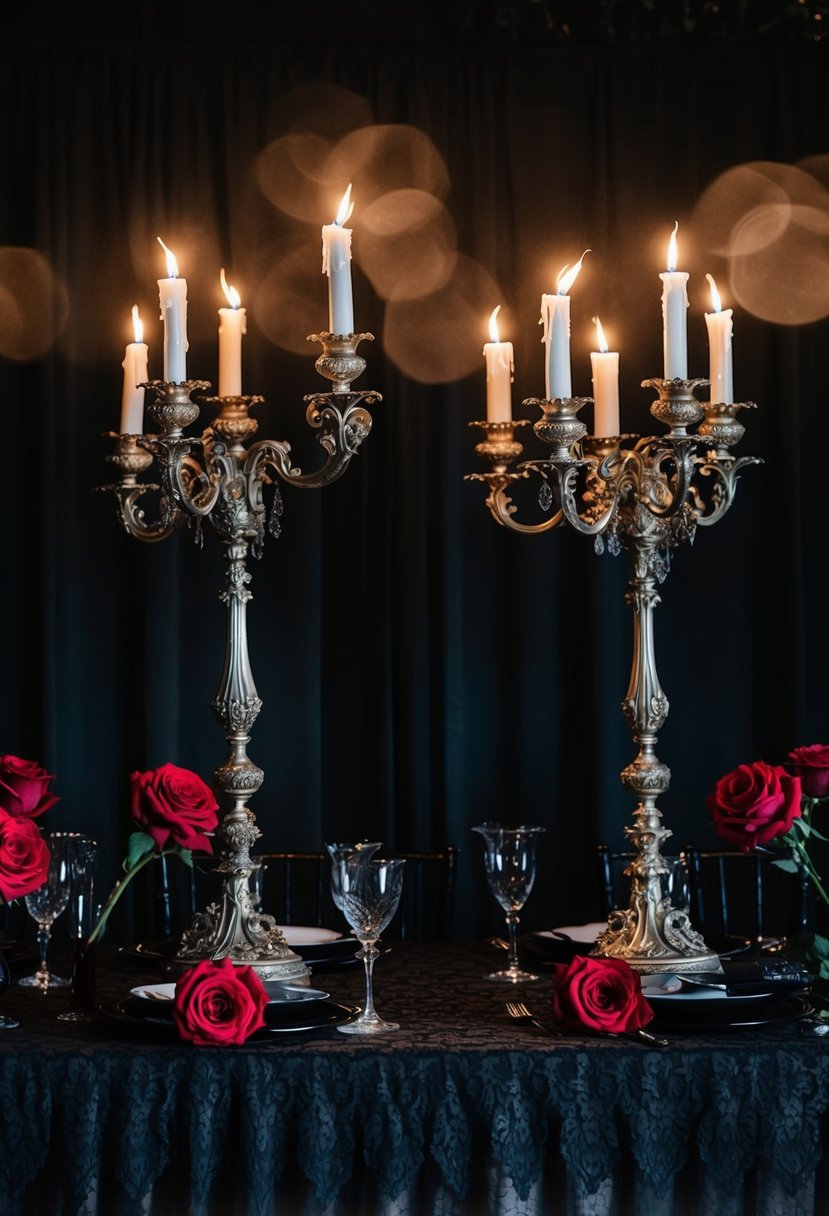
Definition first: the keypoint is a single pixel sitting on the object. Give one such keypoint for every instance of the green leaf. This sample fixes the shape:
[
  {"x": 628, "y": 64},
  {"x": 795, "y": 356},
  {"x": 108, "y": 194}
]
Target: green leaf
[
  {"x": 139, "y": 845},
  {"x": 804, "y": 826},
  {"x": 186, "y": 856},
  {"x": 785, "y": 863},
  {"x": 820, "y": 946},
  {"x": 817, "y": 834}
]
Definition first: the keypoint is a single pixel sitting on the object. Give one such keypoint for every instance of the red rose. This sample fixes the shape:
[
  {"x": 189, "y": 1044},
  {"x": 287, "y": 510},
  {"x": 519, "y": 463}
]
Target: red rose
[
  {"x": 600, "y": 993},
  {"x": 24, "y": 857},
  {"x": 811, "y": 765},
  {"x": 219, "y": 1004},
  {"x": 754, "y": 804},
  {"x": 24, "y": 788},
  {"x": 171, "y": 803}
]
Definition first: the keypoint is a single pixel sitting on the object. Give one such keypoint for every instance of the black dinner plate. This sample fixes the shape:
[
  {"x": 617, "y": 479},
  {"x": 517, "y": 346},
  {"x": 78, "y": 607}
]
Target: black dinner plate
[
  {"x": 713, "y": 1016},
  {"x": 280, "y": 1019}
]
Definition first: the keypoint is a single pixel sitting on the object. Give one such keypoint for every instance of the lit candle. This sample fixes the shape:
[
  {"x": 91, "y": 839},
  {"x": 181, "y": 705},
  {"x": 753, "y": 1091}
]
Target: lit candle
[
  {"x": 135, "y": 374},
  {"x": 172, "y": 293},
  {"x": 336, "y": 263},
  {"x": 605, "y": 366},
  {"x": 499, "y": 369},
  {"x": 232, "y": 325},
  {"x": 720, "y": 328},
  {"x": 555, "y": 317},
  {"x": 674, "y": 308}
]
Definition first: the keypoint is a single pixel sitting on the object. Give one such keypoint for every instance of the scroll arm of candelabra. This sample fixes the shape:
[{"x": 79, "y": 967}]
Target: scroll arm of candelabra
[
  {"x": 132, "y": 517},
  {"x": 503, "y": 509},
  {"x": 643, "y": 475},
  {"x": 565, "y": 477},
  {"x": 194, "y": 489},
  {"x": 724, "y": 477},
  {"x": 342, "y": 430}
]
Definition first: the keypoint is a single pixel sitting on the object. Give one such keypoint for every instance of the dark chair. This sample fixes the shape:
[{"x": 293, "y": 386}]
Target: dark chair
[
  {"x": 614, "y": 884},
  {"x": 745, "y": 895},
  {"x": 295, "y": 888}
]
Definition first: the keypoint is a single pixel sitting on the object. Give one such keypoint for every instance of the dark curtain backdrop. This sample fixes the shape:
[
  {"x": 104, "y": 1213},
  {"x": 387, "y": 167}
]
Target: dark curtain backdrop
[{"x": 421, "y": 669}]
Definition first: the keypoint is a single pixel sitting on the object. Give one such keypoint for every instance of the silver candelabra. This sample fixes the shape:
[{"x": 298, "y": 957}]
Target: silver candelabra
[
  {"x": 645, "y": 495},
  {"x": 216, "y": 476}
]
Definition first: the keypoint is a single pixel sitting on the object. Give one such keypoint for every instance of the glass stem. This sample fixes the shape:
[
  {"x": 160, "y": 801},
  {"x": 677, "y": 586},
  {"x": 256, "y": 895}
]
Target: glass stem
[
  {"x": 512, "y": 927},
  {"x": 370, "y": 953},
  {"x": 44, "y": 936}
]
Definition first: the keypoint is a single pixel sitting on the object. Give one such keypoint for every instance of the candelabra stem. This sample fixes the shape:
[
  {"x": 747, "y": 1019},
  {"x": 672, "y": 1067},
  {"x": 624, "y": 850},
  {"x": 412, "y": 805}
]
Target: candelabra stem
[
  {"x": 651, "y": 935},
  {"x": 235, "y": 927}
]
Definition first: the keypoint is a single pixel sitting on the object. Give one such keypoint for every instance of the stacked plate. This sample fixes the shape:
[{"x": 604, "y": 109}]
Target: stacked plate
[
  {"x": 684, "y": 1003},
  {"x": 291, "y": 1009},
  {"x": 321, "y": 949}
]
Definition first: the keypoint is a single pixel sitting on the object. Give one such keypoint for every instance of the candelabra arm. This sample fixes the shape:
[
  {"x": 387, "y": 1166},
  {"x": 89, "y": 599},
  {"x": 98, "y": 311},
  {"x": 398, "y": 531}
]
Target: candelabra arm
[
  {"x": 724, "y": 475},
  {"x": 343, "y": 423},
  {"x": 185, "y": 485},
  {"x": 503, "y": 509},
  {"x": 132, "y": 517}
]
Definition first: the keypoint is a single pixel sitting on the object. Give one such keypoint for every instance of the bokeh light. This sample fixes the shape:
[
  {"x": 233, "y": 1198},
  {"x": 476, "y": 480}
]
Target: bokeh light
[
  {"x": 439, "y": 338},
  {"x": 34, "y": 305},
  {"x": 290, "y": 301},
  {"x": 770, "y": 222},
  {"x": 407, "y": 244},
  {"x": 388, "y": 157}
]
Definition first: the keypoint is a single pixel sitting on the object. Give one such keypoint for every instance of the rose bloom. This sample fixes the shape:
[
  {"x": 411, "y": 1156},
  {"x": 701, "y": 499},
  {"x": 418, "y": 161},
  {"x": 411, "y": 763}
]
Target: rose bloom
[
  {"x": 811, "y": 765},
  {"x": 601, "y": 994},
  {"x": 754, "y": 804},
  {"x": 24, "y": 857},
  {"x": 173, "y": 804},
  {"x": 24, "y": 788},
  {"x": 219, "y": 1004}
]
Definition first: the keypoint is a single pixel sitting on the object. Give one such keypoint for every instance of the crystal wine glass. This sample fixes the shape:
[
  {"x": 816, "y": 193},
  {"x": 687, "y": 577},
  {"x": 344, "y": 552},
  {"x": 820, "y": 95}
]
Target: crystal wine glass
[
  {"x": 362, "y": 850},
  {"x": 82, "y": 914},
  {"x": 509, "y": 858},
  {"x": 369, "y": 890},
  {"x": 47, "y": 903}
]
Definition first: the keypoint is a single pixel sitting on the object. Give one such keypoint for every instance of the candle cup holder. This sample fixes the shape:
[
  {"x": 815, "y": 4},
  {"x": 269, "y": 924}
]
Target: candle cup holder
[
  {"x": 720, "y": 424},
  {"x": 560, "y": 427},
  {"x": 339, "y": 361},
  {"x": 646, "y": 499},
  {"x": 500, "y": 447},
  {"x": 171, "y": 407},
  {"x": 233, "y": 424},
  {"x": 676, "y": 407},
  {"x": 129, "y": 457},
  {"x": 599, "y": 447},
  {"x": 216, "y": 476}
]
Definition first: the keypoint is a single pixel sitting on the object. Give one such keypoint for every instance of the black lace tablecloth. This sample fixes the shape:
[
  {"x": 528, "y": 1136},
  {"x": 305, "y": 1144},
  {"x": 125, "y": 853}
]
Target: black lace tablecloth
[{"x": 459, "y": 1111}]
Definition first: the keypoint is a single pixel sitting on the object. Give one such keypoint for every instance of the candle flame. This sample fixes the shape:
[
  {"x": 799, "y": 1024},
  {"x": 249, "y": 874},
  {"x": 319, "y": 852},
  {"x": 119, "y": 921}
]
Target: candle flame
[
  {"x": 493, "y": 325},
  {"x": 600, "y": 336},
  {"x": 672, "y": 250},
  {"x": 137, "y": 324},
  {"x": 345, "y": 208},
  {"x": 716, "y": 302},
  {"x": 172, "y": 264},
  {"x": 233, "y": 297},
  {"x": 568, "y": 275}
]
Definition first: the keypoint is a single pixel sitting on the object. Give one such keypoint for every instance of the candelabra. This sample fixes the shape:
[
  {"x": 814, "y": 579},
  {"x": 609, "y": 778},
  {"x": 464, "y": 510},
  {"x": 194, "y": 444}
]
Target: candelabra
[
  {"x": 647, "y": 496},
  {"x": 216, "y": 476}
]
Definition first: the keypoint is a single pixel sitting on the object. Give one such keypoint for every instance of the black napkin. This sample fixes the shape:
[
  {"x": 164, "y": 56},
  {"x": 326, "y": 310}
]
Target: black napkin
[{"x": 743, "y": 977}]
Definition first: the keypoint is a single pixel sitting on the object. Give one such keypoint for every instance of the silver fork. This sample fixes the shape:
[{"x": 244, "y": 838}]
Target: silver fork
[{"x": 519, "y": 1012}]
